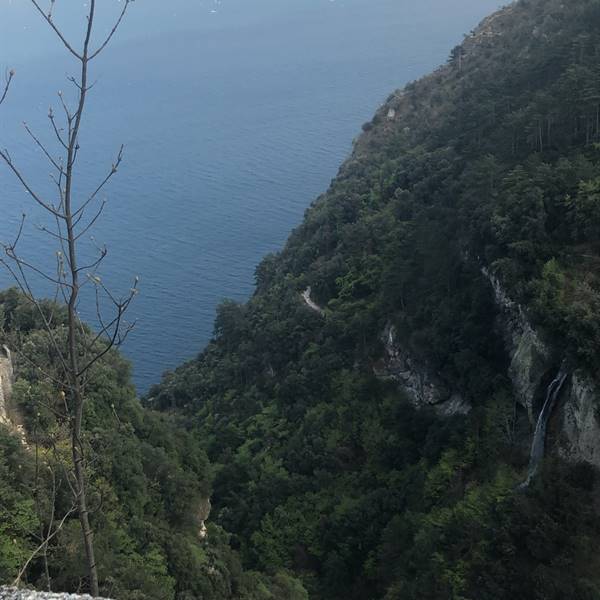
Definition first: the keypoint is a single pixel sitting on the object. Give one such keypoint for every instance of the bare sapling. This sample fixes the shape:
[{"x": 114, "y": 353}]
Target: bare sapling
[{"x": 71, "y": 217}]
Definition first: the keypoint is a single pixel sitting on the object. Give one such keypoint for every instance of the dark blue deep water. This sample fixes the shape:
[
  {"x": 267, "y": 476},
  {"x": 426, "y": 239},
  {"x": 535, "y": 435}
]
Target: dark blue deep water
[{"x": 235, "y": 115}]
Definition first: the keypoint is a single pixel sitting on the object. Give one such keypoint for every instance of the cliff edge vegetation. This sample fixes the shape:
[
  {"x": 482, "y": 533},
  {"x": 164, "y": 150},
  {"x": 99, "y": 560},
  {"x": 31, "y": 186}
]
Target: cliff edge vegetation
[{"x": 149, "y": 483}]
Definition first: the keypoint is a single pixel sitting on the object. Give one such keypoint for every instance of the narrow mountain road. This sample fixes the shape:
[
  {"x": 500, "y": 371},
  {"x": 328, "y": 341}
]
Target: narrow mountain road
[{"x": 310, "y": 302}]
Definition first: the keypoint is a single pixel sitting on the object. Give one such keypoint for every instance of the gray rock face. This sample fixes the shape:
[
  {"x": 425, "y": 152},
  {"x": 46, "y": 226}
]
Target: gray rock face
[
  {"x": 6, "y": 381},
  {"x": 14, "y": 594},
  {"x": 203, "y": 513},
  {"x": 580, "y": 436},
  {"x": 417, "y": 380},
  {"x": 531, "y": 358},
  {"x": 8, "y": 417},
  {"x": 531, "y": 361}
]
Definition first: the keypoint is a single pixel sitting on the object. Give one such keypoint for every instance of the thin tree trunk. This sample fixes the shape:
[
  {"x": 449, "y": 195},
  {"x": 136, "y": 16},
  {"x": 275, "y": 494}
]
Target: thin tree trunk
[
  {"x": 46, "y": 568},
  {"x": 77, "y": 395},
  {"x": 78, "y": 356}
]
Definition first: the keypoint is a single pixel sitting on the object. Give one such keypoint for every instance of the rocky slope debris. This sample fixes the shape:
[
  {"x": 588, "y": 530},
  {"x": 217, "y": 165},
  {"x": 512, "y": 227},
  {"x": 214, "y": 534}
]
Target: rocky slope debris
[{"x": 14, "y": 594}]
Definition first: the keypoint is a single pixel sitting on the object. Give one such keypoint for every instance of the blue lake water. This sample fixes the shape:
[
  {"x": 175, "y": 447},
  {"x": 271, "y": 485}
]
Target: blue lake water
[{"x": 235, "y": 115}]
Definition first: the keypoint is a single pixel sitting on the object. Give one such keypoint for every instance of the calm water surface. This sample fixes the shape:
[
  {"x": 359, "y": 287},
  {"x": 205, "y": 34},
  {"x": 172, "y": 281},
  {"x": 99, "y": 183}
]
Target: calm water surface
[{"x": 235, "y": 115}]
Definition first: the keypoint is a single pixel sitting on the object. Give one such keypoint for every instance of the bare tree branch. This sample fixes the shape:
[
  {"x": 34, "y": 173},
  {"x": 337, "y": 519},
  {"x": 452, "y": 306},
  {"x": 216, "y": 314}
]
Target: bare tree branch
[
  {"x": 68, "y": 114},
  {"x": 6, "y": 158},
  {"x": 113, "y": 31},
  {"x": 9, "y": 250},
  {"x": 48, "y": 19},
  {"x": 17, "y": 581},
  {"x": 55, "y": 128},
  {"x": 92, "y": 222},
  {"x": 43, "y": 149},
  {"x": 96, "y": 263},
  {"x": 9, "y": 79}
]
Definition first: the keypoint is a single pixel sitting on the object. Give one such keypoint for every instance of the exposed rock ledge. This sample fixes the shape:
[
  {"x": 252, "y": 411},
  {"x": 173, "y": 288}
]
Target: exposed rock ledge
[
  {"x": 6, "y": 381},
  {"x": 8, "y": 416},
  {"x": 421, "y": 385},
  {"x": 531, "y": 357},
  {"x": 14, "y": 594},
  {"x": 532, "y": 360},
  {"x": 580, "y": 430},
  {"x": 204, "y": 509}
]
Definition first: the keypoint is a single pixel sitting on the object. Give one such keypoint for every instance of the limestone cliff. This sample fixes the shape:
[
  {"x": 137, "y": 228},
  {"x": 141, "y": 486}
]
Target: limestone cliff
[
  {"x": 6, "y": 381},
  {"x": 531, "y": 361},
  {"x": 580, "y": 428},
  {"x": 530, "y": 357},
  {"x": 422, "y": 386}
]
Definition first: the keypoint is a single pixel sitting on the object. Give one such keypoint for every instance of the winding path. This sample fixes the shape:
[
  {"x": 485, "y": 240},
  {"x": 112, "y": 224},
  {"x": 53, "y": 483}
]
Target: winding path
[{"x": 310, "y": 302}]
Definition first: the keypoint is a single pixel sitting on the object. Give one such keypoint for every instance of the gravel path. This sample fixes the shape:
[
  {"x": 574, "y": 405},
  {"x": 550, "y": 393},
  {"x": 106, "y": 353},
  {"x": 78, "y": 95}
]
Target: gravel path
[{"x": 13, "y": 594}]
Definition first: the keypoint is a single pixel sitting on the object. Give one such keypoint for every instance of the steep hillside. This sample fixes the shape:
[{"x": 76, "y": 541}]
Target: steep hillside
[
  {"x": 149, "y": 484},
  {"x": 369, "y": 412}
]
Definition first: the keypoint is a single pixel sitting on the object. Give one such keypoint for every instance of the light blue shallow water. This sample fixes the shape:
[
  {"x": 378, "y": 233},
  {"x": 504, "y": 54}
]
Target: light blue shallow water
[{"x": 235, "y": 115}]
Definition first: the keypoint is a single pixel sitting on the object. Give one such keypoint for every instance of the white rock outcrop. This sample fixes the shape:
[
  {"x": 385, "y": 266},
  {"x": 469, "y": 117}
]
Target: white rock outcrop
[
  {"x": 531, "y": 358},
  {"x": 204, "y": 510},
  {"x": 580, "y": 431},
  {"x": 6, "y": 382},
  {"x": 421, "y": 386},
  {"x": 15, "y": 594}
]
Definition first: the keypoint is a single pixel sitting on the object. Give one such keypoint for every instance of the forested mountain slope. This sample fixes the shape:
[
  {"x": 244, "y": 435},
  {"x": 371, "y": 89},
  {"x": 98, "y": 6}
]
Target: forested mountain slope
[
  {"x": 149, "y": 483},
  {"x": 373, "y": 440}
]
